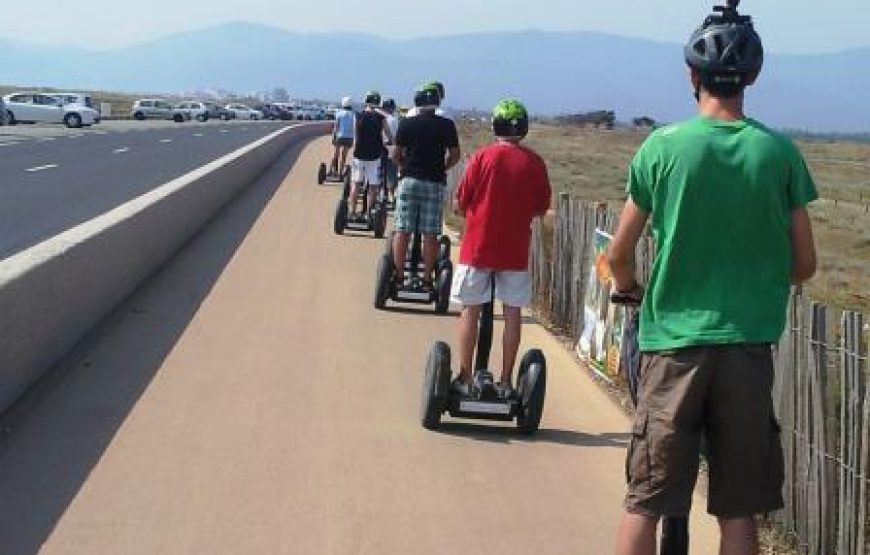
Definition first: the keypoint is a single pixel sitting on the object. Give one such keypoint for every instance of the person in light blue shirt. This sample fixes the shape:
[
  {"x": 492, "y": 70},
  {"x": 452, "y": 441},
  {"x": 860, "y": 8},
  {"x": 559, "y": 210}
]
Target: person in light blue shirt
[{"x": 342, "y": 134}]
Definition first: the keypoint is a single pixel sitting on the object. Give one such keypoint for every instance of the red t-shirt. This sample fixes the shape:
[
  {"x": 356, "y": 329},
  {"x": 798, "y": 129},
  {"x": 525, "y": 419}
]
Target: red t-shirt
[{"x": 504, "y": 188}]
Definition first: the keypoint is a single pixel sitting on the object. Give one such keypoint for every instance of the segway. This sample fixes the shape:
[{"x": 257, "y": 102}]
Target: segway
[
  {"x": 411, "y": 289},
  {"x": 526, "y": 406},
  {"x": 374, "y": 219},
  {"x": 675, "y": 530},
  {"x": 332, "y": 175}
]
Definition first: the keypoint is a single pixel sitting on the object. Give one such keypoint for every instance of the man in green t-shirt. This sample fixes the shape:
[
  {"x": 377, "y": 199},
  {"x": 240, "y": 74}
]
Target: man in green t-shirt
[{"x": 726, "y": 199}]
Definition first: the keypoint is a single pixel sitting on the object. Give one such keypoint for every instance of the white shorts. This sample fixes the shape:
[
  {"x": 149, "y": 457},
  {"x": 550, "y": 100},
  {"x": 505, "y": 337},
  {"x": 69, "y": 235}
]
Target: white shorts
[
  {"x": 366, "y": 171},
  {"x": 473, "y": 287}
]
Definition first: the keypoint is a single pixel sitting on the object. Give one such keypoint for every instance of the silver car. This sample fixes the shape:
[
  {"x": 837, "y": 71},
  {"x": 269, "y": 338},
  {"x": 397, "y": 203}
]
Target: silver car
[
  {"x": 193, "y": 110},
  {"x": 155, "y": 108}
]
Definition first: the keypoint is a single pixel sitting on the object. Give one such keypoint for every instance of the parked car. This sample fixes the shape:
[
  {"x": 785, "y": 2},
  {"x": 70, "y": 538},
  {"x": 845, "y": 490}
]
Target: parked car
[
  {"x": 193, "y": 110},
  {"x": 219, "y": 112},
  {"x": 244, "y": 112},
  {"x": 156, "y": 108},
  {"x": 2, "y": 111},
  {"x": 81, "y": 99},
  {"x": 46, "y": 108}
]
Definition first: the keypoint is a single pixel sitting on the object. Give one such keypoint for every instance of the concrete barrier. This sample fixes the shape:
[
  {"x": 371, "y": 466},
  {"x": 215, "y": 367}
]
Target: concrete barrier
[{"x": 54, "y": 293}]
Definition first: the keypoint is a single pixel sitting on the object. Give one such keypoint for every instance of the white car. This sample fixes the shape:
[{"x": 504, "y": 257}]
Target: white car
[
  {"x": 244, "y": 112},
  {"x": 80, "y": 99},
  {"x": 193, "y": 110},
  {"x": 155, "y": 108},
  {"x": 46, "y": 108}
]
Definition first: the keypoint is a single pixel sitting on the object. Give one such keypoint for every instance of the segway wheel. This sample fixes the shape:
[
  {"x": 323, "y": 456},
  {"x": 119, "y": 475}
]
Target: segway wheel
[
  {"x": 380, "y": 223},
  {"x": 436, "y": 384},
  {"x": 321, "y": 174},
  {"x": 444, "y": 252},
  {"x": 385, "y": 279},
  {"x": 445, "y": 281},
  {"x": 340, "y": 221},
  {"x": 345, "y": 193},
  {"x": 532, "y": 390}
]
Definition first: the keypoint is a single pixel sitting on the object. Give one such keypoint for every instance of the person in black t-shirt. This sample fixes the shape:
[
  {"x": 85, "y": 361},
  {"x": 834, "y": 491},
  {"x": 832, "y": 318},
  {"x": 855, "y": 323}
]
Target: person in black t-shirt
[
  {"x": 371, "y": 128},
  {"x": 427, "y": 145}
]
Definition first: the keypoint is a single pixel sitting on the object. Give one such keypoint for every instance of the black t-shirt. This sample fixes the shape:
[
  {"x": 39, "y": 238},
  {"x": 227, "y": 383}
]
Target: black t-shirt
[
  {"x": 425, "y": 139},
  {"x": 369, "y": 136}
]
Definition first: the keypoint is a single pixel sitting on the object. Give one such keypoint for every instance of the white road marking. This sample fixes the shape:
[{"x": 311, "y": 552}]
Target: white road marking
[
  {"x": 197, "y": 134},
  {"x": 121, "y": 150},
  {"x": 165, "y": 140},
  {"x": 100, "y": 132},
  {"x": 225, "y": 130},
  {"x": 41, "y": 168},
  {"x": 47, "y": 139},
  {"x": 8, "y": 144}
]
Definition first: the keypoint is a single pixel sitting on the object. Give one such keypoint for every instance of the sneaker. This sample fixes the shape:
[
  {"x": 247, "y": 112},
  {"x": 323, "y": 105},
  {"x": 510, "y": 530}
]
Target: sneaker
[
  {"x": 505, "y": 391},
  {"x": 460, "y": 387}
]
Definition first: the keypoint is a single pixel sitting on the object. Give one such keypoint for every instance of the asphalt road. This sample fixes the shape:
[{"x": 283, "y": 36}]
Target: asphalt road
[
  {"x": 52, "y": 178},
  {"x": 249, "y": 399}
]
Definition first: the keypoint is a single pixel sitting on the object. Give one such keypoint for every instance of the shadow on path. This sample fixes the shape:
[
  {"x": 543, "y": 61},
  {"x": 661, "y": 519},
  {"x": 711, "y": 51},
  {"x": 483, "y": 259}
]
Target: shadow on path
[{"x": 500, "y": 433}]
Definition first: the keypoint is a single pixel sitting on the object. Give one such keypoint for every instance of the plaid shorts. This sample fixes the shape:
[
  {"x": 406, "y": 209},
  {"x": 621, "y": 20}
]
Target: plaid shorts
[{"x": 419, "y": 206}]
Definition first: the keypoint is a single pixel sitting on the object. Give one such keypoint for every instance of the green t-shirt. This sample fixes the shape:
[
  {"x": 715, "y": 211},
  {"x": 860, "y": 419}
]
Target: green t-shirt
[{"x": 721, "y": 196}]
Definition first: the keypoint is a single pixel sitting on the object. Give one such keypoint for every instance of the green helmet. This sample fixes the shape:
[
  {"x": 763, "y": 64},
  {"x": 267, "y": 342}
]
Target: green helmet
[
  {"x": 439, "y": 86},
  {"x": 510, "y": 119},
  {"x": 373, "y": 98}
]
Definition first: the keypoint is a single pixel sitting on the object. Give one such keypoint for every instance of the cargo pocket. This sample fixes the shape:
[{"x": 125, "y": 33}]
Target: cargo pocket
[{"x": 637, "y": 462}]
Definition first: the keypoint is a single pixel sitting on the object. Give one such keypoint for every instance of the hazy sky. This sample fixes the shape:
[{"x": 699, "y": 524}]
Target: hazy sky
[{"x": 787, "y": 26}]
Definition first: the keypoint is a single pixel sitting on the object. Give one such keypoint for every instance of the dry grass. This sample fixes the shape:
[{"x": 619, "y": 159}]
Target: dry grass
[{"x": 593, "y": 164}]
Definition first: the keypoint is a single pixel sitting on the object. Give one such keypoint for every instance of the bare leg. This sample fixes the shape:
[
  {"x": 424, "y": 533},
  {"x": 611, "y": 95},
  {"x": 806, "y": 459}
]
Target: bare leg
[
  {"x": 335, "y": 155},
  {"x": 354, "y": 188},
  {"x": 344, "y": 150},
  {"x": 739, "y": 536},
  {"x": 430, "y": 253},
  {"x": 468, "y": 323},
  {"x": 373, "y": 197},
  {"x": 400, "y": 251},
  {"x": 513, "y": 327},
  {"x": 637, "y": 535}
]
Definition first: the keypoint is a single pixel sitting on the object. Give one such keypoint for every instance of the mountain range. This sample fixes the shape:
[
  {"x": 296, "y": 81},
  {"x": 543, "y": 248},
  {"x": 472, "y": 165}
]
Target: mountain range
[{"x": 554, "y": 72}]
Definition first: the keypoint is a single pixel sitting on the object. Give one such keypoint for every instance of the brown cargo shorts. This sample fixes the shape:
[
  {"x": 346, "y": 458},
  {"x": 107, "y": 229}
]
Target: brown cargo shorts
[{"x": 720, "y": 392}]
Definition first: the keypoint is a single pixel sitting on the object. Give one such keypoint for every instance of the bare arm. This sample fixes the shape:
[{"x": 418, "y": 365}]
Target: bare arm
[
  {"x": 802, "y": 246},
  {"x": 453, "y": 155},
  {"x": 399, "y": 156},
  {"x": 387, "y": 132},
  {"x": 622, "y": 249}
]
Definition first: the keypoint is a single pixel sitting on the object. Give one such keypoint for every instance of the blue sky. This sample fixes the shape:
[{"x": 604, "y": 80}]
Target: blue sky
[{"x": 801, "y": 26}]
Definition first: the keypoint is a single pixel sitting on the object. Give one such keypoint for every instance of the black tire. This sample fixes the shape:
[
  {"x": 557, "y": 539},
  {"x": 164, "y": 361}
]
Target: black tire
[
  {"x": 345, "y": 193},
  {"x": 532, "y": 390},
  {"x": 178, "y": 118},
  {"x": 346, "y": 173},
  {"x": 385, "y": 279},
  {"x": 380, "y": 224},
  {"x": 340, "y": 221},
  {"x": 444, "y": 252},
  {"x": 139, "y": 116},
  {"x": 321, "y": 174},
  {"x": 436, "y": 384},
  {"x": 445, "y": 281},
  {"x": 72, "y": 120}
]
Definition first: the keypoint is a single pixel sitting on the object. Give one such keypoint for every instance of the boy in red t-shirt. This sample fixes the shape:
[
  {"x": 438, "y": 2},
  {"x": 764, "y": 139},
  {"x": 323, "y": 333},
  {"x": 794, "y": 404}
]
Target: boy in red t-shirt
[{"x": 504, "y": 188}]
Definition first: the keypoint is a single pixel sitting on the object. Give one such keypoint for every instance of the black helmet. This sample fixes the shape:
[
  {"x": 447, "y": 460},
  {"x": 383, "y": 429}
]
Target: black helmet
[
  {"x": 389, "y": 104},
  {"x": 440, "y": 86},
  {"x": 427, "y": 96},
  {"x": 373, "y": 98},
  {"x": 510, "y": 119},
  {"x": 726, "y": 46}
]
